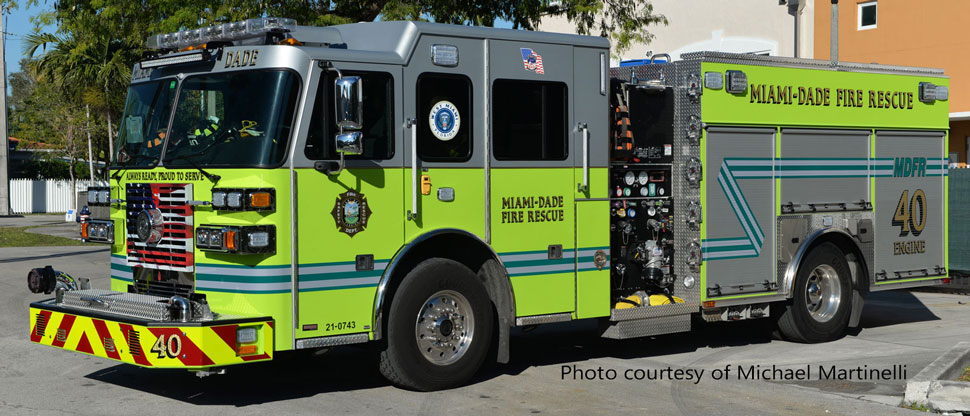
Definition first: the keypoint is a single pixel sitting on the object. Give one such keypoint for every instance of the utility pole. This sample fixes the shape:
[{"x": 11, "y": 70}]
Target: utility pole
[{"x": 4, "y": 140}]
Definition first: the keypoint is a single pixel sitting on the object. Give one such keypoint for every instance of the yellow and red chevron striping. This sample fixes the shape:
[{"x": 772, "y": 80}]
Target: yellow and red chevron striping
[{"x": 162, "y": 346}]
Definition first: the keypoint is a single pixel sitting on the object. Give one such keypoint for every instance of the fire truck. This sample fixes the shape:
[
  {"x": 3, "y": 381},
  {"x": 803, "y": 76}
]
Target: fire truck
[{"x": 427, "y": 187}]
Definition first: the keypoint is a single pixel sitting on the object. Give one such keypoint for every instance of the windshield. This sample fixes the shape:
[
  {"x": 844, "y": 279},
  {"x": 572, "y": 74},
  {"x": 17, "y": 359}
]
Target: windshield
[
  {"x": 234, "y": 119},
  {"x": 142, "y": 129}
]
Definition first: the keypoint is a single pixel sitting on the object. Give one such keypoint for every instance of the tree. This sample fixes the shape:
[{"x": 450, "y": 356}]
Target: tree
[{"x": 97, "y": 42}]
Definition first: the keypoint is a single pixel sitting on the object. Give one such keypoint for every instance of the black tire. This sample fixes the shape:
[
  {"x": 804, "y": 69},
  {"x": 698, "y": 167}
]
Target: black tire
[
  {"x": 407, "y": 357},
  {"x": 823, "y": 315}
]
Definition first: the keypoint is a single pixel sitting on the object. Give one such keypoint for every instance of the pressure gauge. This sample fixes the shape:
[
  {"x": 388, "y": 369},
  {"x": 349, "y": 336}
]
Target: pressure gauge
[
  {"x": 643, "y": 178},
  {"x": 651, "y": 211},
  {"x": 626, "y": 191},
  {"x": 660, "y": 190},
  {"x": 630, "y": 178},
  {"x": 643, "y": 191},
  {"x": 630, "y": 212},
  {"x": 619, "y": 192}
]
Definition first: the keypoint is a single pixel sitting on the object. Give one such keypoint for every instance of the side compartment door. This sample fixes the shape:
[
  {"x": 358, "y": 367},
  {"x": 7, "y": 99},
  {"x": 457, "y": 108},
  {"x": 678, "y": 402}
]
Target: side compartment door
[
  {"x": 531, "y": 175},
  {"x": 350, "y": 223},
  {"x": 739, "y": 246},
  {"x": 910, "y": 230}
]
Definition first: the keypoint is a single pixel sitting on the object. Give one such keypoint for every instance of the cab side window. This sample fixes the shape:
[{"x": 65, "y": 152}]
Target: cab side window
[
  {"x": 444, "y": 117},
  {"x": 529, "y": 120},
  {"x": 378, "y": 118}
]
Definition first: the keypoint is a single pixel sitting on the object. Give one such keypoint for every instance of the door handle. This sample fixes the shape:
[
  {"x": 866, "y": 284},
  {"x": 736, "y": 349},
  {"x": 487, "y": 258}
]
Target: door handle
[
  {"x": 584, "y": 187},
  {"x": 412, "y": 124}
]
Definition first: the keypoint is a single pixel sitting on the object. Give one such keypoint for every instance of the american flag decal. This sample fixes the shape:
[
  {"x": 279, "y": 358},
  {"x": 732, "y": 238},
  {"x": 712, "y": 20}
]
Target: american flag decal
[
  {"x": 532, "y": 61},
  {"x": 175, "y": 250}
]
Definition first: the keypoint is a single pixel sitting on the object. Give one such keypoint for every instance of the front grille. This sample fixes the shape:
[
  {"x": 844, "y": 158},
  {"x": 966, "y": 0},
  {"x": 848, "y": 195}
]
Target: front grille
[
  {"x": 162, "y": 288},
  {"x": 134, "y": 342},
  {"x": 175, "y": 250},
  {"x": 40, "y": 327}
]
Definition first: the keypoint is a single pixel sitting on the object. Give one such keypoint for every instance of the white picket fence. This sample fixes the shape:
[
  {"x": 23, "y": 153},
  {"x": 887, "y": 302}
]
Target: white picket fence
[{"x": 28, "y": 196}]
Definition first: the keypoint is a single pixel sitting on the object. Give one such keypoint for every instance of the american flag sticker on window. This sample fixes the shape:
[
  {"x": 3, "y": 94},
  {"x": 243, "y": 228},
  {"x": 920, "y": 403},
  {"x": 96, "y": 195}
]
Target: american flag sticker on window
[{"x": 532, "y": 61}]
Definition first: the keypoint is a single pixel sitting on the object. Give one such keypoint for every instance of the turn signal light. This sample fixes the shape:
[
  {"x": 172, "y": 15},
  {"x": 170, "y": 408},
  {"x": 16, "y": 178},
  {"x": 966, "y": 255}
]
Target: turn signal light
[
  {"x": 230, "y": 239},
  {"x": 84, "y": 231},
  {"x": 247, "y": 349},
  {"x": 260, "y": 199},
  {"x": 709, "y": 304}
]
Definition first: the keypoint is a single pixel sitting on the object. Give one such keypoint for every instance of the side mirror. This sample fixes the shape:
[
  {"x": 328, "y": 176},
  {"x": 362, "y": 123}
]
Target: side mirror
[
  {"x": 348, "y": 102},
  {"x": 350, "y": 143}
]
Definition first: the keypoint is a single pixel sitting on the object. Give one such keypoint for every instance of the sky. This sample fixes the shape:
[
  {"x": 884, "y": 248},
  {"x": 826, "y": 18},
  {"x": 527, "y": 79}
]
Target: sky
[{"x": 17, "y": 25}]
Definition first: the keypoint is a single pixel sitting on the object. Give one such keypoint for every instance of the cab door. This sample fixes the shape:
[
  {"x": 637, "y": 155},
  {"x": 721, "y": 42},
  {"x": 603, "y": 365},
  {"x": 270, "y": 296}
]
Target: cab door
[
  {"x": 531, "y": 173},
  {"x": 444, "y": 180},
  {"x": 349, "y": 223}
]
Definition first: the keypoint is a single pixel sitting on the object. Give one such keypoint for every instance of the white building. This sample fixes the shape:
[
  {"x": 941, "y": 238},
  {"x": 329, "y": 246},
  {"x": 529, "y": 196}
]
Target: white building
[{"x": 744, "y": 26}]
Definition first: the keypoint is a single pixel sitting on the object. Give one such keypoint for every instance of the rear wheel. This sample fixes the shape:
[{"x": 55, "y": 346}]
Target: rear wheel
[
  {"x": 819, "y": 309},
  {"x": 439, "y": 327}
]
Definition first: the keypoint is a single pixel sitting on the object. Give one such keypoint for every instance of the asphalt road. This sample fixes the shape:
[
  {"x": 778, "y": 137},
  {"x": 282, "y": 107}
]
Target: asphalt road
[{"x": 904, "y": 328}]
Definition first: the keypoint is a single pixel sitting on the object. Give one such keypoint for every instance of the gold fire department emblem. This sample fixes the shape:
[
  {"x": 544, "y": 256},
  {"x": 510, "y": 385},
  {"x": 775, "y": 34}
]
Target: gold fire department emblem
[{"x": 351, "y": 212}]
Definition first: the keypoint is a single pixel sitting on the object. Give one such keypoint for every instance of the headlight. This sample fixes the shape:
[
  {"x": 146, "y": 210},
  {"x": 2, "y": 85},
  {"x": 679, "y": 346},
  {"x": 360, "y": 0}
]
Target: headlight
[
  {"x": 246, "y": 335},
  {"x": 258, "y": 239},
  {"x": 218, "y": 199},
  {"x": 252, "y": 239},
  {"x": 97, "y": 231},
  {"x": 244, "y": 199},
  {"x": 99, "y": 196},
  {"x": 235, "y": 199}
]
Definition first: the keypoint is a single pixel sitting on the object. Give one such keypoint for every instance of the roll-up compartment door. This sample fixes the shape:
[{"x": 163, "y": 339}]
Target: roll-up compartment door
[
  {"x": 738, "y": 247},
  {"x": 824, "y": 170},
  {"x": 910, "y": 203}
]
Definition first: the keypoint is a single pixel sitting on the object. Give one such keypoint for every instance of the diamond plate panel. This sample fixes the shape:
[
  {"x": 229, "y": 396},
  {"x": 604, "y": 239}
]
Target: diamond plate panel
[{"x": 647, "y": 327}]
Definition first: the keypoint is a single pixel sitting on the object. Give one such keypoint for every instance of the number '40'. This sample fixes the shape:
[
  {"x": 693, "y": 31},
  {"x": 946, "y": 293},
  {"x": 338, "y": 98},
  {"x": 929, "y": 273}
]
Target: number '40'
[
  {"x": 910, "y": 213},
  {"x": 171, "y": 349}
]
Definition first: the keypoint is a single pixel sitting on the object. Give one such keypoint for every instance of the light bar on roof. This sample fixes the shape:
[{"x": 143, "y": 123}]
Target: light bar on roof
[
  {"x": 227, "y": 32},
  {"x": 198, "y": 55}
]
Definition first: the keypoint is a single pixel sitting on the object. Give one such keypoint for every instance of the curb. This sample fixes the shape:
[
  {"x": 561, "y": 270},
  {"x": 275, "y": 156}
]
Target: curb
[{"x": 936, "y": 386}]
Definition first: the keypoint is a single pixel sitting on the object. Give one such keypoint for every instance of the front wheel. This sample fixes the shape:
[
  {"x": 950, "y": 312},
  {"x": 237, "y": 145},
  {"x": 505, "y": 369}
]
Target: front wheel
[
  {"x": 439, "y": 327},
  {"x": 819, "y": 309}
]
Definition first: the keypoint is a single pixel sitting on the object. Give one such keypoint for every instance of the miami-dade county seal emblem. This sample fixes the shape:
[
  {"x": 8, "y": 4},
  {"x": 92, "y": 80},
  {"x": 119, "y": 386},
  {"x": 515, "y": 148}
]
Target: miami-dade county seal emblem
[
  {"x": 351, "y": 212},
  {"x": 444, "y": 120}
]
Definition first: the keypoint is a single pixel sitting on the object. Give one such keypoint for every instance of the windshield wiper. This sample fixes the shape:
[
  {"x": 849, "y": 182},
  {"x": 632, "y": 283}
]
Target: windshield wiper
[
  {"x": 211, "y": 176},
  {"x": 118, "y": 173}
]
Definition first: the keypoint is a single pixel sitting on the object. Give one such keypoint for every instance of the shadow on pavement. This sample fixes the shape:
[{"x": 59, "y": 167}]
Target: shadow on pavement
[
  {"x": 49, "y": 256},
  {"x": 892, "y": 308},
  {"x": 301, "y": 374}
]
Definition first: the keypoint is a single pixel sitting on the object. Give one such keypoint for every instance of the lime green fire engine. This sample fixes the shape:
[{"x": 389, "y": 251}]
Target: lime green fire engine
[{"x": 428, "y": 187}]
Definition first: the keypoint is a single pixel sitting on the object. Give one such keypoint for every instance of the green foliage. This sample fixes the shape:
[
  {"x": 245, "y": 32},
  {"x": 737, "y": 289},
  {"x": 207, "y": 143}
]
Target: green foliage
[
  {"x": 86, "y": 63},
  {"x": 52, "y": 169}
]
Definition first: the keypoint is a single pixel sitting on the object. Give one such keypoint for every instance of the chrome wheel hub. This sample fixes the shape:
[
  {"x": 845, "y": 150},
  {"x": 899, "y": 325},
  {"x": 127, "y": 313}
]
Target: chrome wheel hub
[
  {"x": 444, "y": 327},
  {"x": 823, "y": 294}
]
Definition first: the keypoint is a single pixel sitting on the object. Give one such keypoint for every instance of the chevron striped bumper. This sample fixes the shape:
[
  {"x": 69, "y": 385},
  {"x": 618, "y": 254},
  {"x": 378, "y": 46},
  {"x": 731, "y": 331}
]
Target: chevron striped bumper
[{"x": 188, "y": 345}]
